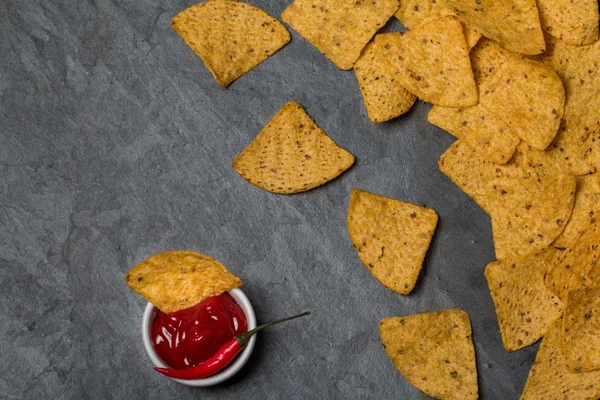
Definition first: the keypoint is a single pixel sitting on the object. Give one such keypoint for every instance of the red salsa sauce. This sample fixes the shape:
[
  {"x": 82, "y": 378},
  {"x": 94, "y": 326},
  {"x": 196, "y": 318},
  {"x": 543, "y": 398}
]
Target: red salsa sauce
[{"x": 186, "y": 338}]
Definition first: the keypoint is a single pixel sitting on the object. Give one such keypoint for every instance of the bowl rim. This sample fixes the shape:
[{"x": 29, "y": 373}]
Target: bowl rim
[{"x": 240, "y": 298}]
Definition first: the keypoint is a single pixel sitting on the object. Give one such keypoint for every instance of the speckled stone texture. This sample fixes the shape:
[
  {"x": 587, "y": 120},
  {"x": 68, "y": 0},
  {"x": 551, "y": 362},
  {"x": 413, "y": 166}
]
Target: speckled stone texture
[{"x": 116, "y": 143}]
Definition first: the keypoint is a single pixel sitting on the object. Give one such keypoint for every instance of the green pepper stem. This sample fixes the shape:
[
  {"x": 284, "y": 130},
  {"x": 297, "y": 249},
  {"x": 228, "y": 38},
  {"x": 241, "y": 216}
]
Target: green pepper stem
[{"x": 244, "y": 338}]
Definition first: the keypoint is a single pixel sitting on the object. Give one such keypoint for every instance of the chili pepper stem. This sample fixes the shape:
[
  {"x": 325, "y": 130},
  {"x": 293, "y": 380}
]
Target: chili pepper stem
[{"x": 244, "y": 338}]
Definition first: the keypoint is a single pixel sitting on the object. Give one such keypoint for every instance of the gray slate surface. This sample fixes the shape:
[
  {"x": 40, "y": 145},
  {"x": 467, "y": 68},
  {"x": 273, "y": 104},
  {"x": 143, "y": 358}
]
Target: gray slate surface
[{"x": 116, "y": 144}]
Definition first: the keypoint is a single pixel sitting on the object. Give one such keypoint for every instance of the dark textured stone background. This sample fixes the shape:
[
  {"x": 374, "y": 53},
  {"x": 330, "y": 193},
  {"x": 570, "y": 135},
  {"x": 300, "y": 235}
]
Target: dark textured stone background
[{"x": 116, "y": 143}]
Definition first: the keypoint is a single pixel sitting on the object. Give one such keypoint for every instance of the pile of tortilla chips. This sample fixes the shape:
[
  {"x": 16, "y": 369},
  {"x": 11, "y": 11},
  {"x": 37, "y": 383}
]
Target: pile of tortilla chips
[{"x": 517, "y": 82}]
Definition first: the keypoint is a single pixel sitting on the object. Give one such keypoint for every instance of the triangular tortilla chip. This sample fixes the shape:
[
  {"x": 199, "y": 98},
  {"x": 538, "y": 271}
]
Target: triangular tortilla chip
[
  {"x": 528, "y": 96},
  {"x": 486, "y": 58},
  {"x": 391, "y": 237},
  {"x": 175, "y": 280},
  {"x": 550, "y": 379},
  {"x": 585, "y": 212},
  {"x": 478, "y": 128},
  {"x": 515, "y": 24},
  {"x": 340, "y": 29},
  {"x": 291, "y": 154},
  {"x": 525, "y": 307},
  {"x": 581, "y": 330},
  {"x": 414, "y": 13},
  {"x": 383, "y": 95},
  {"x": 529, "y": 213},
  {"x": 434, "y": 352},
  {"x": 572, "y": 22},
  {"x": 471, "y": 172},
  {"x": 571, "y": 268},
  {"x": 433, "y": 63},
  {"x": 231, "y": 37}
]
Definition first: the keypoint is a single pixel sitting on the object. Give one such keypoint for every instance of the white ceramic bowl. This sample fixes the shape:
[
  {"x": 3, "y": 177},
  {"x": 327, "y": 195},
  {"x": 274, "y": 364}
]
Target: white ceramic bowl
[{"x": 225, "y": 374}]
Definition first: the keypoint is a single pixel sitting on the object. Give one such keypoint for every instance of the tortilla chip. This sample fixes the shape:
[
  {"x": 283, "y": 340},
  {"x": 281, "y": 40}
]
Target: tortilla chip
[
  {"x": 571, "y": 268},
  {"x": 291, "y": 154},
  {"x": 433, "y": 63},
  {"x": 434, "y": 352},
  {"x": 391, "y": 237},
  {"x": 529, "y": 97},
  {"x": 550, "y": 379},
  {"x": 414, "y": 13},
  {"x": 514, "y": 24},
  {"x": 471, "y": 172},
  {"x": 231, "y": 37},
  {"x": 486, "y": 58},
  {"x": 340, "y": 29},
  {"x": 581, "y": 330},
  {"x": 478, "y": 128},
  {"x": 529, "y": 213},
  {"x": 585, "y": 212},
  {"x": 384, "y": 96},
  {"x": 546, "y": 57},
  {"x": 175, "y": 280},
  {"x": 572, "y": 22},
  {"x": 525, "y": 307}
]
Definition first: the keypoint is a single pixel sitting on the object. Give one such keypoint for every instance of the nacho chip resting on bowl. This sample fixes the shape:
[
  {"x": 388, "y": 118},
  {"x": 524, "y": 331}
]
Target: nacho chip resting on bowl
[
  {"x": 391, "y": 237},
  {"x": 231, "y": 37},
  {"x": 175, "y": 280},
  {"x": 291, "y": 154},
  {"x": 434, "y": 352}
]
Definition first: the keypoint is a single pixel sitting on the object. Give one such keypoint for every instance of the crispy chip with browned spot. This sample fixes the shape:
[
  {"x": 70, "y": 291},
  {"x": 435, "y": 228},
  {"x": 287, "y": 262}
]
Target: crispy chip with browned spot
[
  {"x": 585, "y": 212},
  {"x": 529, "y": 213},
  {"x": 291, "y": 154},
  {"x": 340, "y": 29},
  {"x": 231, "y": 37},
  {"x": 479, "y": 128},
  {"x": 581, "y": 330},
  {"x": 414, "y": 13},
  {"x": 528, "y": 96},
  {"x": 433, "y": 63},
  {"x": 571, "y": 21},
  {"x": 550, "y": 379},
  {"x": 391, "y": 237},
  {"x": 571, "y": 268},
  {"x": 175, "y": 280},
  {"x": 515, "y": 24},
  {"x": 384, "y": 97},
  {"x": 525, "y": 307},
  {"x": 434, "y": 352},
  {"x": 471, "y": 172}
]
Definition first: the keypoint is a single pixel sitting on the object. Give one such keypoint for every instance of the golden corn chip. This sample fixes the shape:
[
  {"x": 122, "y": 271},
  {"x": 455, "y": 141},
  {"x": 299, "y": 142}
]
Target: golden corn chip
[
  {"x": 550, "y": 379},
  {"x": 471, "y": 172},
  {"x": 546, "y": 57},
  {"x": 291, "y": 154},
  {"x": 414, "y": 13},
  {"x": 572, "y": 22},
  {"x": 391, "y": 237},
  {"x": 383, "y": 95},
  {"x": 340, "y": 29},
  {"x": 581, "y": 330},
  {"x": 529, "y": 213},
  {"x": 525, "y": 307},
  {"x": 571, "y": 268},
  {"x": 515, "y": 24},
  {"x": 585, "y": 212},
  {"x": 433, "y": 63},
  {"x": 529, "y": 97},
  {"x": 231, "y": 37},
  {"x": 478, "y": 128},
  {"x": 175, "y": 280},
  {"x": 434, "y": 352},
  {"x": 486, "y": 58}
]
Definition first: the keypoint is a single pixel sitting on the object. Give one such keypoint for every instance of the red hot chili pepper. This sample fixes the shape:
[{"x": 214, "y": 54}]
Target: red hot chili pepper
[{"x": 221, "y": 358}]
